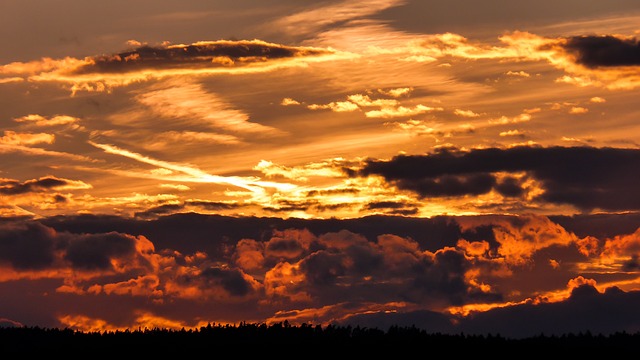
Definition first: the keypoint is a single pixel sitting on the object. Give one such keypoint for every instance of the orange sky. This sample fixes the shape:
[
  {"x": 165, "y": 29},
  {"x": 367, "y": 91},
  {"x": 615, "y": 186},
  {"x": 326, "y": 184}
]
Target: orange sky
[{"x": 226, "y": 161}]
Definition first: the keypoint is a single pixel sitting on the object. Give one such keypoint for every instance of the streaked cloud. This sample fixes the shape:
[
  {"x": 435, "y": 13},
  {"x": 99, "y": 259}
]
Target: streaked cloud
[
  {"x": 189, "y": 100},
  {"x": 100, "y": 73}
]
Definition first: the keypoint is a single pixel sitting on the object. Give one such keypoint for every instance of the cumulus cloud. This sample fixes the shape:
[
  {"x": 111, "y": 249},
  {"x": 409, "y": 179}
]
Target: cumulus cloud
[
  {"x": 279, "y": 269},
  {"x": 465, "y": 113},
  {"x": 387, "y": 108},
  {"x": 33, "y": 246}
]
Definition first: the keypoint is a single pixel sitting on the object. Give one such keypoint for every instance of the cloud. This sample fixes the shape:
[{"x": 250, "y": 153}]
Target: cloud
[
  {"x": 585, "y": 177},
  {"x": 190, "y": 102},
  {"x": 101, "y": 73},
  {"x": 316, "y": 270},
  {"x": 14, "y": 138},
  {"x": 396, "y": 92},
  {"x": 199, "y": 55},
  {"x": 392, "y": 207},
  {"x": 41, "y": 121},
  {"x": 314, "y": 20},
  {"x": 466, "y": 113},
  {"x": 43, "y": 184},
  {"x": 34, "y": 151},
  {"x": 585, "y": 310},
  {"x": 327, "y": 168},
  {"x": 608, "y": 61},
  {"x": 33, "y": 246},
  {"x": 289, "y": 102},
  {"x": 519, "y": 238},
  {"x": 337, "y": 106},
  {"x": 577, "y": 110},
  {"x": 178, "y": 187},
  {"x": 432, "y": 128},
  {"x": 604, "y": 51},
  {"x": 503, "y": 120},
  {"x": 518, "y": 73},
  {"x": 169, "y": 139},
  {"x": 10, "y": 80},
  {"x": 400, "y": 111},
  {"x": 192, "y": 173},
  {"x": 387, "y": 108},
  {"x": 512, "y": 133}
]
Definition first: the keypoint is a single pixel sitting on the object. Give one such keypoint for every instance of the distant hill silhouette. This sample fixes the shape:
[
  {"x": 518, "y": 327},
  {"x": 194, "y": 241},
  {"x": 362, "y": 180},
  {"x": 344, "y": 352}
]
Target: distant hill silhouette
[{"x": 303, "y": 341}]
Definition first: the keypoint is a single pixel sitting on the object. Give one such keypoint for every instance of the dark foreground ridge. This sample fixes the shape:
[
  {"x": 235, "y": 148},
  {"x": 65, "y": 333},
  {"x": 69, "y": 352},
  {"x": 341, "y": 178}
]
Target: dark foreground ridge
[{"x": 302, "y": 341}]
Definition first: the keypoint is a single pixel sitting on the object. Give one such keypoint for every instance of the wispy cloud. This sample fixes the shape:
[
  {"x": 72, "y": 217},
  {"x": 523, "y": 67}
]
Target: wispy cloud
[
  {"x": 190, "y": 102},
  {"x": 14, "y": 138},
  {"x": 194, "y": 174},
  {"x": 101, "y": 73}
]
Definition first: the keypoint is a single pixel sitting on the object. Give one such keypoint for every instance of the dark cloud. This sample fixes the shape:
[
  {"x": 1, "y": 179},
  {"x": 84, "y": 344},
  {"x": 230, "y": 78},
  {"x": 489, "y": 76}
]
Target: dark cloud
[
  {"x": 283, "y": 248},
  {"x": 586, "y": 310},
  {"x": 350, "y": 267},
  {"x": 324, "y": 268},
  {"x": 604, "y": 51},
  {"x": 28, "y": 245},
  {"x": 212, "y": 205},
  {"x": 188, "y": 205},
  {"x": 451, "y": 185},
  {"x": 385, "y": 205},
  {"x": 31, "y": 245},
  {"x": 510, "y": 187},
  {"x": 601, "y": 226},
  {"x": 95, "y": 251},
  {"x": 332, "y": 192},
  {"x": 15, "y": 187},
  {"x": 393, "y": 208},
  {"x": 585, "y": 177},
  {"x": 301, "y": 264},
  {"x": 167, "y": 232},
  {"x": 231, "y": 280},
  {"x": 633, "y": 264},
  {"x": 58, "y": 198},
  {"x": 198, "y": 55},
  {"x": 159, "y": 210}
]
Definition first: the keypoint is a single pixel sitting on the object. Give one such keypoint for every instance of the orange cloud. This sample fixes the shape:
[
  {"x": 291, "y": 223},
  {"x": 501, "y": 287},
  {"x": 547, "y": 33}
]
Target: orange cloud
[
  {"x": 13, "y": 138},
  {"x": 466, "y": 113},
  {"x": 249, "y": 255},
  {"x": 41, "y": 121},
  {"x": 286, "y": 281},
  {"x": 577, "y": 110},
  {"x": 400, "y": 111},
  {"x": 473, "y": 248},
  {"x": 520, "y": 237},
  {"x": 189, "y": 100}
]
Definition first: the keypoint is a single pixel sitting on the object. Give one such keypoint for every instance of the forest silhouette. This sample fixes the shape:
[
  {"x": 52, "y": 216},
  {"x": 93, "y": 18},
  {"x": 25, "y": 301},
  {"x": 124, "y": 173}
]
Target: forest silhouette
[{"x": 302, "y": 340}]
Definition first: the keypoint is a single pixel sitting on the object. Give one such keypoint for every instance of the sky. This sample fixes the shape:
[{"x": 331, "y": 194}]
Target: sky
[{"x": 455, "y": 165}]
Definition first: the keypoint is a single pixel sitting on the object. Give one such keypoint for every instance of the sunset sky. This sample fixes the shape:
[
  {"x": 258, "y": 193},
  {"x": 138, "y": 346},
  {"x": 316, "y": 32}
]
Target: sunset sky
[{"x": 458, "y": 165}]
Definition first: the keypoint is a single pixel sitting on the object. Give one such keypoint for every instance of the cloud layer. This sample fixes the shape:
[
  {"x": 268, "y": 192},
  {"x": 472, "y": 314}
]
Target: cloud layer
[{"x": 588, "y": 178}]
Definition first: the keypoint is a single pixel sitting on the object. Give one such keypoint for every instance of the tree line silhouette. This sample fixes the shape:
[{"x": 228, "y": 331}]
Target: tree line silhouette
[{"x": 305, "y": 340}]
